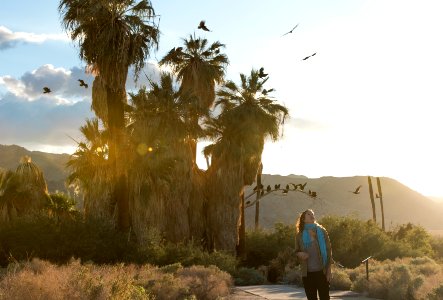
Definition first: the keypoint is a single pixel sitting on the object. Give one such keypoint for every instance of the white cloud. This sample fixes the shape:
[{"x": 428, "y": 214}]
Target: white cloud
[
  {"x": 48, "y": 121},
  {"x": 9, "y": 39}
]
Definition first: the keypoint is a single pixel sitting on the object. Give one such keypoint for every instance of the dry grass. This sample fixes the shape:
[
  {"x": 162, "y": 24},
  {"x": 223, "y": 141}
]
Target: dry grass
[
  {"x": 406, "y": 278},
  {"x": 39, "y": 279}
]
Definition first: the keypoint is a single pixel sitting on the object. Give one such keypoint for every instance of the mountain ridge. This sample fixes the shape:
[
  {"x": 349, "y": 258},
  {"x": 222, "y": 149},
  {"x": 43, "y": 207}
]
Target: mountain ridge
[{"x": 334, "y": 194}]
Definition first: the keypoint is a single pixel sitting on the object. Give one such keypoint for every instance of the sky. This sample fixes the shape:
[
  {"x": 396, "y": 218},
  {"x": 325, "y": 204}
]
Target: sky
[{"x": 368, "y": 103}]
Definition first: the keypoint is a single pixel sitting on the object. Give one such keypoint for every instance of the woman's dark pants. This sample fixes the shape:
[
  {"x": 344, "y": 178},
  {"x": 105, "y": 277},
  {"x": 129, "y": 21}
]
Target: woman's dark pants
[{"x": 316, "y": 281}]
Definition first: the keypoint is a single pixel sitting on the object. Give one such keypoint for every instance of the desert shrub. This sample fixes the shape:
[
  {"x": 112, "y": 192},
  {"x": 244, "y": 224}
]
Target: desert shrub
[
  {"x": 353, "y": 240},
  {"x": 39, "y": 279},
  {"x": 293, "y": 276},
  {"x": 206, "y": 283},
  {"x": 340, "y": 280},
  {"x": 264, "y": 245},
  {"x": 406, "y": 278},
  {"x": 189, "y": 254},
  {"x": 416, "y": 237},
  {"x": 437, "y": 247},
  {"x": 436, "y": 294},
  {"x": 248, "y": 276},
  {"x": 59, "y": 240}
]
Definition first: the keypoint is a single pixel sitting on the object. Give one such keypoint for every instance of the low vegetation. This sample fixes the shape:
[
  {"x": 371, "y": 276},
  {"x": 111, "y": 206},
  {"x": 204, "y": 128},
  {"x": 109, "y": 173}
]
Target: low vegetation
[
  {"x": 42, "y": 252},
  {"x": 39, "y": 279}
]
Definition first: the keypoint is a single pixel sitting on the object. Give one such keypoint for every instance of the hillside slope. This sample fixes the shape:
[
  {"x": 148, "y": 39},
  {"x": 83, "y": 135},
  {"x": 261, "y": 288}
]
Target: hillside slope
[
  {"x": 335, "y": 197},
  {"x": 401, "y": 203},
  {"x": 52, "y": 165}
]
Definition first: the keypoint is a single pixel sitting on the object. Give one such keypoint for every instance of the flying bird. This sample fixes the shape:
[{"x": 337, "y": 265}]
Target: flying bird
[
  {"x": 290, "y": 31},
  {"x": 82, "y": 83},
  {"x": 261, "y": 73},
  {"x": 203, "y": 26},
  {"x": 46, "y": 90},
  {"x": 309, "y": 56},
  {"x": 265, "y": 92},
  {"x": 357, "y": 190}
]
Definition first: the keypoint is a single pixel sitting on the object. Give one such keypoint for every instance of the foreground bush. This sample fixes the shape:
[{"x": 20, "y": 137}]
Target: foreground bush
[
  {"x": 96, "y": 240},
  {"x": 407, "y": 278},
  {"x": 40, "y": 279}
]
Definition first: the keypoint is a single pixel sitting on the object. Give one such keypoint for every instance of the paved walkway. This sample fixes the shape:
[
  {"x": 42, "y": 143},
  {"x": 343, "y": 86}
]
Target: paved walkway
[{"x": 284, "y": 292}]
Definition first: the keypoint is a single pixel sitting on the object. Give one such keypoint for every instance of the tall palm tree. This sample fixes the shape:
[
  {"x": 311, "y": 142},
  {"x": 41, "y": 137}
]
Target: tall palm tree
[
  {"x": 199, "y": 67},
  {"x": 163, "y": 169},
  {"x": 112, "y": 36},
  {"x": 249, "y": 115}
]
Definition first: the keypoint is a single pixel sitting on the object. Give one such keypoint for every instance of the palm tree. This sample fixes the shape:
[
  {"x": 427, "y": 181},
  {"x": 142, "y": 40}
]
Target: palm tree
[
  {"x": 23, "y": 191},
  {"x": 90, "y": 170},
  {"x": 199, "y": 67},
  {"x": 163, "y": 175},
  {"x": 113, "y": 35},
  {"x": 249, "y": 115}
]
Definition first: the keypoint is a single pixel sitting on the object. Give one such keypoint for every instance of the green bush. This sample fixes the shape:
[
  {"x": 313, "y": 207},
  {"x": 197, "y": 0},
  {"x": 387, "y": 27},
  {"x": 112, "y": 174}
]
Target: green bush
[
  {"x": 60, "y": 240},
  {"x": 189, "y": 255},
  {"x": 262, "y": 246},
  {"x": 248, "y": 276}
]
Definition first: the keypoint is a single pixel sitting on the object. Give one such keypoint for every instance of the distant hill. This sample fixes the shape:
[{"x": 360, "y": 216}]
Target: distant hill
[
  {"x": 52, "y": 165},
  {"x": 401, "y": 204}
]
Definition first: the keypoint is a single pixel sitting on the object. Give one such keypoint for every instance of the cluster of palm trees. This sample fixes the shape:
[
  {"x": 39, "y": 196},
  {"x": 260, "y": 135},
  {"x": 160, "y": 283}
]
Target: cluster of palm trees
[{"x": 137, "y": 163}]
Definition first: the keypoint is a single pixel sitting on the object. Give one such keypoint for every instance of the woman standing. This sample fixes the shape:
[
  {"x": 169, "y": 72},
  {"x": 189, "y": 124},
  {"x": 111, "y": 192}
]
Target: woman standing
[{"x": 313, "y": 250}]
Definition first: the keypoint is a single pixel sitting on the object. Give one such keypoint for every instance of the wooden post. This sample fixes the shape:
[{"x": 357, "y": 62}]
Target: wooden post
[
  {"x": 366, "y": 261},
  {"x": 380, "y": 194},
  {"x": 371, "y": 194},
  {"x": 257, "y": 203}
]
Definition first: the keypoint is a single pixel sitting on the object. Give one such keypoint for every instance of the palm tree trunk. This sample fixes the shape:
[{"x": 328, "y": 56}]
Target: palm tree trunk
[
  {"x": 371, "y": 195},
  {"x": 381, "y": 204},
  {"x": 241, "y": 247},
  {"x": 257, "y": 204},
  {"x": 224, "y": 184},
  {"x": 117, "y": 155}
]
